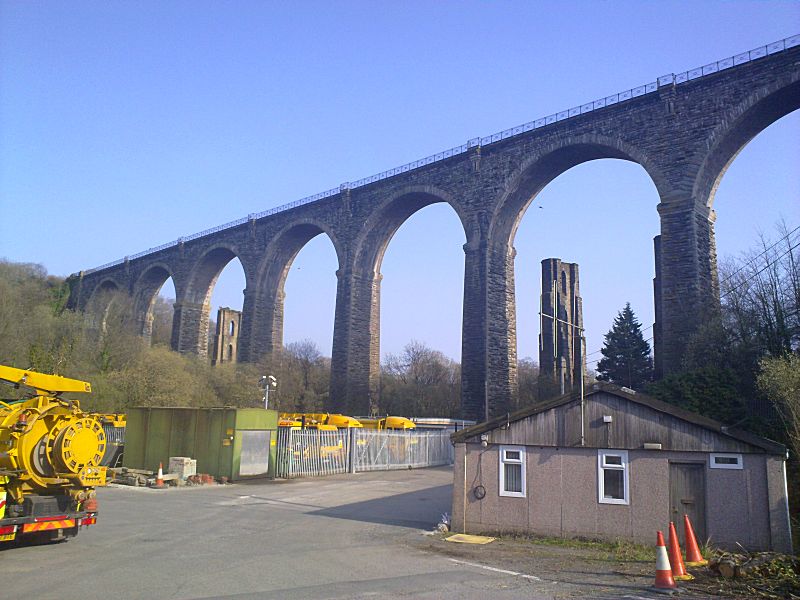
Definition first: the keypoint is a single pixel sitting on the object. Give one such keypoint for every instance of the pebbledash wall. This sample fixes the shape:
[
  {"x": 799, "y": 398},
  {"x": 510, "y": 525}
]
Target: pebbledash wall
[
  {"x": 683, "y": 130},
  {"x": 740, "y": 493}
]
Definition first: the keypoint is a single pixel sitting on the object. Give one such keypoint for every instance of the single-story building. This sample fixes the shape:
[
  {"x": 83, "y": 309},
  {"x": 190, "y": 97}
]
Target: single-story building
[{"x": 634, "y": 465}]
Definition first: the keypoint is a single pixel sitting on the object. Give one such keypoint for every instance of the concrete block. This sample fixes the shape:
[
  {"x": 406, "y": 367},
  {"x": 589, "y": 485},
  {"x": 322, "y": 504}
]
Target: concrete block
[{"x": 182, "y": 466}]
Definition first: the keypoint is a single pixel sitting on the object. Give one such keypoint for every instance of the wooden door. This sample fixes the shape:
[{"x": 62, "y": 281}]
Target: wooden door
[{"x": 687, "y": 495}]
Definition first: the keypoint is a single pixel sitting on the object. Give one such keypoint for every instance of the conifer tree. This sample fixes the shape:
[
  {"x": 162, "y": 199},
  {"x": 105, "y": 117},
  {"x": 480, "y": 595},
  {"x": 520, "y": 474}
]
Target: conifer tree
[{"x": 626, "y": 355}]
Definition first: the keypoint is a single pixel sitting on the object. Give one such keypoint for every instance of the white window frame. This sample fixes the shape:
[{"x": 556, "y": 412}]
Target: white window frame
[
  {"x": 602, "y": 465},
  {"x": 503, "y": 461},
  {"x": 712, "y": 464}
]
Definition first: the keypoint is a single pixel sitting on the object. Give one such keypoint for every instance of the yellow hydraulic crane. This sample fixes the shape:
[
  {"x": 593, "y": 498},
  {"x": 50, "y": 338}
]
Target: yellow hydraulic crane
[{"x": 50, "y": 455}]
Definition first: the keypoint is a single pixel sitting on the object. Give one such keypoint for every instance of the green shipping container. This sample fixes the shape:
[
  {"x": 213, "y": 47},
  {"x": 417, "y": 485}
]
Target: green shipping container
[{"x": 237, "y": 443}]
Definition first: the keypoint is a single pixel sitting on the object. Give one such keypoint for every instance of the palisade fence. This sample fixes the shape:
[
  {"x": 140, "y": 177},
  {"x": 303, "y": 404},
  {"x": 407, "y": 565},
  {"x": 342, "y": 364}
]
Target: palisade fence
[
  {"x": 647, "y": 88},
  {"x": 311, "y": 453}
]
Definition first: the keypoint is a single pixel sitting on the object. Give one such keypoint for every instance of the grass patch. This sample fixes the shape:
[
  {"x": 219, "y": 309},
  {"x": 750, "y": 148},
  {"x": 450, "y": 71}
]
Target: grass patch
[{"x": 618, "y": 550}]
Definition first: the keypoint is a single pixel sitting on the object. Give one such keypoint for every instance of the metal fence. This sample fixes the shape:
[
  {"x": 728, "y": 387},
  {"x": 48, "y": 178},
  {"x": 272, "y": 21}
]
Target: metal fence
[
  {"x": 387, "y": 450},
  {"x": 647, "y": 88},
  {"x": 312, "y": 453}
]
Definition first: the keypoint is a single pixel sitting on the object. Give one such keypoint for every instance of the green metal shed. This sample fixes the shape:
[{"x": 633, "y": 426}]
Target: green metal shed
[{"x": 237, "y": 443}]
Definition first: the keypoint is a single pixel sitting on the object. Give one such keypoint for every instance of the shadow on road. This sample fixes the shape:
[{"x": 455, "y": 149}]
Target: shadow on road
[{"x": 421, "y": 509}]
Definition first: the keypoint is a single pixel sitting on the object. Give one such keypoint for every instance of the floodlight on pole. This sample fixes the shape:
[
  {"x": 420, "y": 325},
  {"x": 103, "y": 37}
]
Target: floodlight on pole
[{"x": 265, "y": 383}]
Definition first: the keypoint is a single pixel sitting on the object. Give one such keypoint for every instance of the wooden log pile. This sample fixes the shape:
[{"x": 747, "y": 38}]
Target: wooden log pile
[
  {"x": 767, "y": 575},
  {"x": 730, "y": 565}
]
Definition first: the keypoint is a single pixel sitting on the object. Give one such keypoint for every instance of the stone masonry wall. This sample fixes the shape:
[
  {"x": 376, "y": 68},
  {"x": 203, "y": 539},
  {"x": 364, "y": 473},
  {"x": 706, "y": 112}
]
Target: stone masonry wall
[{"x": 684, "y": 136}]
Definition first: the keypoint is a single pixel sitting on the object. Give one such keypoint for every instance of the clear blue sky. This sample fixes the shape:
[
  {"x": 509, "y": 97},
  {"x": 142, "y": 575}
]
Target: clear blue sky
[{"x": 127, "y": 125}]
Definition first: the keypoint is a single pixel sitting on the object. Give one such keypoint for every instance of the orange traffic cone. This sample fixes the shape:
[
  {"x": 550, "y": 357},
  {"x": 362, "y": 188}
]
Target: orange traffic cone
[
  {"x": 675, "y": 559},
  {"x": 693, "y": 556},
  {"x": 664, "y": 579},
  {"x": 160, "y": 477}
]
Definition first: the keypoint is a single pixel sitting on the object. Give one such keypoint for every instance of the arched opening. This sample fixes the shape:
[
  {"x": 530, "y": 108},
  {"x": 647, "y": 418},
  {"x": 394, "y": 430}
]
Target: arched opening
[
  {"x": 757, "y": 234},
  {"x": 154, "y": 300},
  {"x": 309, "y": 300},
  {"x": 746, "y": 121},
  {"x": 163, "y": 312},
  {"x": 750, "y": 178},
  {"x": 99, "y": 307},
  {"x": 609, "y": 234},
  {"x": 576, "y": 223},
  {"x": 363, "y": 393},
  {"x": 298, "y": 289},
  {"x": 217, "y": 281},
  {"x": 226, "y": 303},
  {"x": 111, "y": 327},
  {"x": 760, "y": 185},
  {"x": 422, "y": 292}
]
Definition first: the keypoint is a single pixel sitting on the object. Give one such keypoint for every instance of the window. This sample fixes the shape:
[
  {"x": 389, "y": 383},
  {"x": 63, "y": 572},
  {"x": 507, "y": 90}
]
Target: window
[
  {"x": 512, "y": 471},
  {"x": 612, "y": 476},
  {"x": 725, "y": 461}
]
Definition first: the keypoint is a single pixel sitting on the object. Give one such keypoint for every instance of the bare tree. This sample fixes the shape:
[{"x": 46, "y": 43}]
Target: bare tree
[
  {"x": 760, "y": 294},
  {"x": 306, "y": 355},
  {"x": 163, "y": 312},
  {"x": 528, "y": 379},
  {"x": 420, "y": 382}
]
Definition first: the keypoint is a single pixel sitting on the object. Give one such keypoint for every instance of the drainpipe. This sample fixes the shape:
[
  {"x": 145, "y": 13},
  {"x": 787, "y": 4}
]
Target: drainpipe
[
  {"x": 583, "y": 418},
  {"x": 464, "y": 525}
]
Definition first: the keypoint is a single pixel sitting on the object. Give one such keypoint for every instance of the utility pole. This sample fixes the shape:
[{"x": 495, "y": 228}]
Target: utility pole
[{"x": 583, "y": 349}]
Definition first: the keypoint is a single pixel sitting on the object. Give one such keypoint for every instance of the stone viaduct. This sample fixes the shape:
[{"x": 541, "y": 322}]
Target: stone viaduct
[{"x": 684, "y": 130}]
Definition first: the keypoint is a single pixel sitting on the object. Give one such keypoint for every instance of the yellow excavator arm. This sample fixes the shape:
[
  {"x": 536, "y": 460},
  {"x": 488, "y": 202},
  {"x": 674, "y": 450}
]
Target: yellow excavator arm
[{"x": 51, "y": 385}]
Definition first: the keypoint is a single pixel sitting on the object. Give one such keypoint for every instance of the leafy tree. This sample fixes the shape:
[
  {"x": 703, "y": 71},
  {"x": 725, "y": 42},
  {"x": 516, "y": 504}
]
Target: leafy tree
[
  {"x": 779, "y": 379},
  {"x": 160, "y": 377},
  {"x": 713, "y": 391},
  {"x": 626, "y": 355}
]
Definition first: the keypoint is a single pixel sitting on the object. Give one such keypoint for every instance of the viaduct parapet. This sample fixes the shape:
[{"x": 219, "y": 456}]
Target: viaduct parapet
[{"x": 683, "y": 129}]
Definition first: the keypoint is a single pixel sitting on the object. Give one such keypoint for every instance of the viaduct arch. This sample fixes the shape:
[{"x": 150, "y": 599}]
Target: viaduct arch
[{"x": 683, "y": 129}]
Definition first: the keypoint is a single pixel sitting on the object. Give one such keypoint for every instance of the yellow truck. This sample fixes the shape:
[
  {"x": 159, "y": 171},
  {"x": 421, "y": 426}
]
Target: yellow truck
[{"x": 50, "y": 459}]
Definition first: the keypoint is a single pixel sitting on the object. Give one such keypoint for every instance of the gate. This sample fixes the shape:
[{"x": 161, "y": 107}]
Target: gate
[
  {"x": 310, "y": 452},
  {"x": 386, "y": 450}
]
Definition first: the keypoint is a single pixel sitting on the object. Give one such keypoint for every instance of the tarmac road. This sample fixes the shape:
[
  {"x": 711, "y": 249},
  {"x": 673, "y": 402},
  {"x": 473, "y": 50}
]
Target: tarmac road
[{"x": 349, "y": 536}]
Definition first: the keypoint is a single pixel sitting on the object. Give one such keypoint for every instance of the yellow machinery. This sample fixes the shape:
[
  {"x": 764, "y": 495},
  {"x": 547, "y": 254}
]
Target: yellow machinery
[
  {"x": 319, "y": 422},
  {"x": 315, "y": 420},
  {"x": 114, "y": 427},
  {"x": 394, "y": 423},
  {"x": 50, "y": 455}
]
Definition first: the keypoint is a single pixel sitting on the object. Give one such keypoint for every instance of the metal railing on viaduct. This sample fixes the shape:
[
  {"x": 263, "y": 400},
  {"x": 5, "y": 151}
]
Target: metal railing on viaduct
[{"x": 683, "y": 129}]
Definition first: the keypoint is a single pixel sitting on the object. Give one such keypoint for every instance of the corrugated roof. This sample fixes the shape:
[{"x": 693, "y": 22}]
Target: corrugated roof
[{"x": 765, "y": 444}]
